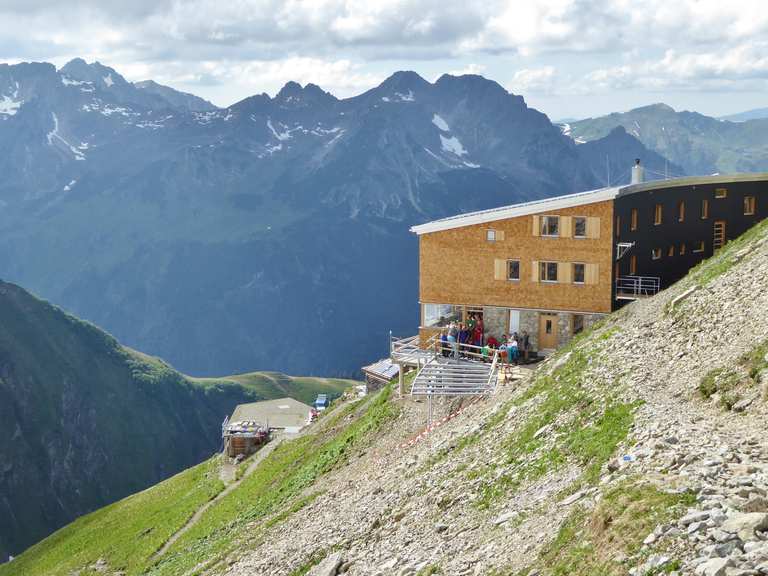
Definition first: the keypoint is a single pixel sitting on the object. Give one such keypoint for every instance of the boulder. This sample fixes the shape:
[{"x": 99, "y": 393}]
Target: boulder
[
  {"x": 329, "y": 566},
  {"x": 746, "y": 525},
  {"x": 714, "y": 567}
]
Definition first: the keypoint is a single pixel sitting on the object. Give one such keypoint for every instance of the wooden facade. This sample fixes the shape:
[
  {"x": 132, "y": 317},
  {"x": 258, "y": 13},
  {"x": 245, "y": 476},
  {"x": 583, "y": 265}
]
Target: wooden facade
[{"x": 460, "y": 266}]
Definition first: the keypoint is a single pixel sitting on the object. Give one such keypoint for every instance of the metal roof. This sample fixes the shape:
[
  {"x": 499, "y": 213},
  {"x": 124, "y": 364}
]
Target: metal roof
[
  {"x": 577, "y": 199},
  {"x": 280, "y": 413},
  {"x": 384, "y": 369}
]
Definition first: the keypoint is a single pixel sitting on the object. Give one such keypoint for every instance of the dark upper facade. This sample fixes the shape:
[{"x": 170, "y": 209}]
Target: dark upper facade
[{"x": 662, "y": 229}]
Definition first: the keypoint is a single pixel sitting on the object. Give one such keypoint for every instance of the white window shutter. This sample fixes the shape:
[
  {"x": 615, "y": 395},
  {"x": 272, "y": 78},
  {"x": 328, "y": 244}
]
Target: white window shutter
[
  {"x": 535, "y": 271},
  {"x": 566, "y": 227},
  {"x": 499, "y": 235},
  {"x": 593, "y": 227},
  {"x": 499, "y": 269},
  {"x": 591, "y": 273},
  {"x": 564, "y": 272},
  {"x": 536, "y": 226}
]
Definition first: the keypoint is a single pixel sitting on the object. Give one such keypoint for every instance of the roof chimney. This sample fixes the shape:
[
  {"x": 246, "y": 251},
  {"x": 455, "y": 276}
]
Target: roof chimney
[{"x": 637, "y": 172}]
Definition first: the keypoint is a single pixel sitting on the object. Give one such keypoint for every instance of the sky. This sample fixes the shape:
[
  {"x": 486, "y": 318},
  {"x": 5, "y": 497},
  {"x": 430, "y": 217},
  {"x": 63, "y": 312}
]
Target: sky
[{"x": 568, "y": 58}]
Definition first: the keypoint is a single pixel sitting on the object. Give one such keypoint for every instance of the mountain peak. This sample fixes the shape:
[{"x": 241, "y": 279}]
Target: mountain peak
[
  {"x": 657, "y": 107},
  {"x": 292, "y": 93},
  {"x": 405, "y": 79},
  {"x": 96, "y": 72}
]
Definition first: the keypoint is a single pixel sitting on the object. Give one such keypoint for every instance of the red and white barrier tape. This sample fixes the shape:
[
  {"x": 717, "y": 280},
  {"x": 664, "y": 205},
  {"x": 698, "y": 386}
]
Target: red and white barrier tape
[{"x": 429, "y": 429}]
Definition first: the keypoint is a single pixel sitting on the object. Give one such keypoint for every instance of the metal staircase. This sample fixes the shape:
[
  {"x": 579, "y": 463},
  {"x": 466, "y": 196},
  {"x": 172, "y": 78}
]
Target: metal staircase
[{"x": 448, "y": 377}]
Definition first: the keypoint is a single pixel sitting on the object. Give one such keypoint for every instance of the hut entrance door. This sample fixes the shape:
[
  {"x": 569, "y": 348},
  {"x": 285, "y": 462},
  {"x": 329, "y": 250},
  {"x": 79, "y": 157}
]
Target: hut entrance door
[{"x": 547, "y": 331}]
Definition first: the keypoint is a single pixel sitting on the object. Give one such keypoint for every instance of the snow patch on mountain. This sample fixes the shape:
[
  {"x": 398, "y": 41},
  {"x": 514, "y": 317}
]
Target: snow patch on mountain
[
  {"x": 54, "y": 135},
  {"x": 67, "y": 81},
  {"x": 284, "y": 135},
  {"x": 153, "y": 124},
  {"x": 438, "y": 121},
  {"x": 452, "y": 145},
  {"x": 108, "y": 80},
  {"x": 405, "y": 97},
  {"x": 107, "y": 109},
  {"x": 10, "y": 104},
  {"x": 69, "y": 186}
]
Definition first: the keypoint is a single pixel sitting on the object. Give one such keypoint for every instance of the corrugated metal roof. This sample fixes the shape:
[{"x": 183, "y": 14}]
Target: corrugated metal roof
[
  {"x": 280, "y": 413},
  {"x": 383, "y": 369},
  {"x": 515, "y": 210}
]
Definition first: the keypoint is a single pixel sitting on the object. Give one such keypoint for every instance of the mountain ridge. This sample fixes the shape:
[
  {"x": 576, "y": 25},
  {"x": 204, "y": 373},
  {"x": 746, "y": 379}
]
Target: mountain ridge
[{"x": 225, "y": 231}]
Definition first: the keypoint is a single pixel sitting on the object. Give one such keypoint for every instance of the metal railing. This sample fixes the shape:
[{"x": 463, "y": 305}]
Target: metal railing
[{"x": 634, "y": 287}]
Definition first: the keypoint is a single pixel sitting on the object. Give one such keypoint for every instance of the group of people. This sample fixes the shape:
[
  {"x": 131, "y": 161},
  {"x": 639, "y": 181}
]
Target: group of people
[{"x": 465, "y": 339}]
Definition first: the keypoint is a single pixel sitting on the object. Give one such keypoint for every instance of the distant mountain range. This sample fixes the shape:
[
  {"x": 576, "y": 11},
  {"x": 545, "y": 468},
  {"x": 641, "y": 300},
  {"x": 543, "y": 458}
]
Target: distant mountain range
[
  {"x": 699, "y": 144},
  {"x": 85, "y": 421},
  {"x": 754, "y": 114},
  {"x": 272, "y": 234}
]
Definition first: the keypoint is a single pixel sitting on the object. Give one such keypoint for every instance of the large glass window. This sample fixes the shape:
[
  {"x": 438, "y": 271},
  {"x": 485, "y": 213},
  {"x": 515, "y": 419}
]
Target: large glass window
[
  {"x": 548, "y": 271},
  {"x": 436, "y": 315},
  {"x": 550, "y": 225},
  {"x": 633, "y": 221}
]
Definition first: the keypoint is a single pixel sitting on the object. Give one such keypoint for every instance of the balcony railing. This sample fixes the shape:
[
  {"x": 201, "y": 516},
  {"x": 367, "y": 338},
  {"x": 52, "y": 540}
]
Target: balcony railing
[{"x": 634, "y": 287}]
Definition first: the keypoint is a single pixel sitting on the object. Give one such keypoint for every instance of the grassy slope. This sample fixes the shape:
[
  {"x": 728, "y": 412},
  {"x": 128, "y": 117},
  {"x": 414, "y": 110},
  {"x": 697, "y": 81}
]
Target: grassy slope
[
  {"x": 126, "y": 534},
  {"x": 276, "y": 384},
  {"x": 102, "y": 420}
]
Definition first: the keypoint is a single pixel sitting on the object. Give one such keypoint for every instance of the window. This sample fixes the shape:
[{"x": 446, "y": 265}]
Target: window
[
  {"x": 490, "y": 235},
  {"x": 671, "y": 251},
  {"x": 578, "y": 323},
  {"x": 513, "y": 269},
  {"x": 657, "y": 215},
  {"x": 699, "y": 246},
  {"x": 436, "y": 315},
  {"x": 633, "y": 265},
  {"x": 682, "y": 249},
  {"x": 618, "y": 226},
  {"x": 749, "y": 205},
  {"x": 721, "y": 192},
  {"x": 548, "y": 271},
  {"x": 704, "y": 209},
  {"x": 633, "y": 220},
  {"x": 681, "y": 211},
  {"x": 550, "y": 225},
  {"x": 578, "y": 273},
  {"x": 656, "y": 253},
  {"x": 579, "y": 227}
]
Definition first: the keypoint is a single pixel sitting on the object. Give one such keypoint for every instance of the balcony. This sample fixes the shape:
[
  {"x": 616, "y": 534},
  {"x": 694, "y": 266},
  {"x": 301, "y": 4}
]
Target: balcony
[{"x": 635, "y": 287}]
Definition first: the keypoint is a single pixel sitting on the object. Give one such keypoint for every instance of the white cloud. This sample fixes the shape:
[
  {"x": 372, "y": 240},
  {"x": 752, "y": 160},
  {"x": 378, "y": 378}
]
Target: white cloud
[
  {"x": 554, "y": 47},
  {"x": 533, "y": 80},
  {"x": 744, "y": 66},
  {"x": 473, "y": 68}
]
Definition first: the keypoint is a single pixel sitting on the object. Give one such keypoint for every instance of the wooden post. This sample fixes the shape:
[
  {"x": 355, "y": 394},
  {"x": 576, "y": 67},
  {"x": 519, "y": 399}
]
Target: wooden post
[{"x": 400, "y": 380}]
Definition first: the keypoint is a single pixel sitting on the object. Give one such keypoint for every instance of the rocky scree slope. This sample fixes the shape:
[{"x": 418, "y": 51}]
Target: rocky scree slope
[
  {"x": 638, "y": 449},
  {"x": 85, "y": 421},
  {"x": 224, "y": 233}
]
